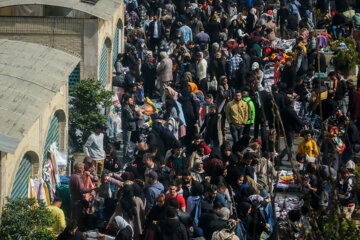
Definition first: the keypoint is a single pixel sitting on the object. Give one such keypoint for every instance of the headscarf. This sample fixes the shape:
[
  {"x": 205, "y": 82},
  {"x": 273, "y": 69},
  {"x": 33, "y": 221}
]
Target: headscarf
[
  {"x": 243, "y": 209},
  {"x": 121, "y": 223},
  {"x": 194, "y": 89},
  {"x": 253, "y": 12}
]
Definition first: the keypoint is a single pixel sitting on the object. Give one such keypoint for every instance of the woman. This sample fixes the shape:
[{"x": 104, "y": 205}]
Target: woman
[
  {"x": 132, "y": 209},
  {"x": 191, "y": 111},
  {"x": 171, "y": 117},
  {"x": 128, "y": 118},
  {"x": 224, "y": 95},
  {"x": 212, "y": 125},
  {"x": 156, "y": 214},
  {"x": 233, "y": 29},
  {"x": 214, "y": 29},
  {"x": 125, "y": 232},
  {"x": 217, "y": 66},
  {"x": 198, "y": 93},
  {"x": 197, "y": 172},
  {"x": 251, "y": 21},
  {"x": 201, "y": 153}
]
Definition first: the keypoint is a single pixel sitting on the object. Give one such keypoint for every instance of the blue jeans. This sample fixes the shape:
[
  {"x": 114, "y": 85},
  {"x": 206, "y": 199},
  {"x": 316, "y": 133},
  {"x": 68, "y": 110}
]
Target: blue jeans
[
  {"x": 126, "y": 142},
  {"x": 236, "y": 132},
  {"x": 334, "y": 28}
]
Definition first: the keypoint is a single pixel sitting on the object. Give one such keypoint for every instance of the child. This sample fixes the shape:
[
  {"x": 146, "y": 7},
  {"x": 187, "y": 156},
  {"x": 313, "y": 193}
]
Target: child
[{"x": 139, "y": 94}]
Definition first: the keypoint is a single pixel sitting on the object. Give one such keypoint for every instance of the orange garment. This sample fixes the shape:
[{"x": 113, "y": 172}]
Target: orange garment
[
  {"x": 87, "y": 184},
  {"x": 194, "y": 89}
]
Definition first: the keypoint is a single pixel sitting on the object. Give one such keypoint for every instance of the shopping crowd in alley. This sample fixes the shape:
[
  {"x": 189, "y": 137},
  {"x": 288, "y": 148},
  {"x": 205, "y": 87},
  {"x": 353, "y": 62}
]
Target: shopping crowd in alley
[{"x": 223, "y": 102}]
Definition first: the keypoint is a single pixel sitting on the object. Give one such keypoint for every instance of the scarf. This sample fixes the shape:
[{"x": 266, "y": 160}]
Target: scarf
[{"x": 121, "y": 223}]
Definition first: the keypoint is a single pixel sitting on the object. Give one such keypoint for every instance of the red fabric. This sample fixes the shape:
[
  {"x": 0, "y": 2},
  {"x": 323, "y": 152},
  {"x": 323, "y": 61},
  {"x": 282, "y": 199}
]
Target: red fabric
[
  {"x": 87, "y": 184},
  {"x": 179, "y": 198},
  {"x": 206, "y": 148},
  {"x": 210, "y": 165}
]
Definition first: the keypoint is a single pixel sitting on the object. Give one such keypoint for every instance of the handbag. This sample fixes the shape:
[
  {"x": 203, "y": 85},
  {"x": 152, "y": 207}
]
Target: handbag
[
  {"x": 212, "y": 85},
  {"x": 119, "y": 80},
  {"x": 182, "y": 130}
]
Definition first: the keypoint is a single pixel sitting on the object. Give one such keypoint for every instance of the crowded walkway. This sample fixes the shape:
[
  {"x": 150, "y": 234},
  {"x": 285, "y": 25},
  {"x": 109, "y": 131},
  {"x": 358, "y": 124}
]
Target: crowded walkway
[{"x": 235, "y": 124}]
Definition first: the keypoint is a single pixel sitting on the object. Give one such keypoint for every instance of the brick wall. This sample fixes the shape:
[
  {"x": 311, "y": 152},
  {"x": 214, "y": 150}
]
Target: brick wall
[{"x": 65, "y": 34}]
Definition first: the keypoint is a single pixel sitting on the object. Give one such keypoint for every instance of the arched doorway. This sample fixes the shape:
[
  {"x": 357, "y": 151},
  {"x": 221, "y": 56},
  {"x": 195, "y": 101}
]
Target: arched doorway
[
  {"x": 104, "y": 62},
  {"x": 28, "y": 166},
  {"x": 117, "y": 41},
  {"x": 56, "y": 133}
]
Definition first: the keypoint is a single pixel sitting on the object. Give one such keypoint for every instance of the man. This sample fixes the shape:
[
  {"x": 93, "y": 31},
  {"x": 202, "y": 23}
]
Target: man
[
  {"x": 210, "y": 217},
  {"x": 301, "y": 63},
  {"x": 201, "y": 68},
  {"x": 288, "y": 74},
  {"x": 186, "y": 33},
  {"x": 234, "y": 62},
  {"x": 153, "y": 191},
  {"x": 188, "y": 183},
  {"x": 164, "y": 71},
  {"x": 77, "y": 191},
  {"x": 177, "y": 161},
  {"x": 94, "y": 148},
  {"x": 148, "y": 161},
  {"x": 174, "y": 194},
  {"x": 202, "y": 37},
  {"x": 164, "y": 172},
  {"x": 196, "y": 26},
  {"x": 348, "y": 194},
  {"x": 282, "y": 16},
  {"x": 155, "y": 32},
  {"x": 58, "y": 216},
  {"x": 207, "y": 203},
  {"x": 237, "y": 114},
  {"x": 291, "y": 123}
]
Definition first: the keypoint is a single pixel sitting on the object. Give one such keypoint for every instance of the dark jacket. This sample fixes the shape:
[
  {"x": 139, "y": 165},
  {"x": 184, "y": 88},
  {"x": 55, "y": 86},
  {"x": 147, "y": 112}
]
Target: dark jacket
[
  {"x": 288, "y": 76},
  {"x": 214, "y": 29},
  {"x": 125, "y": 234},
  {"x": 128, "y": 118},
  {"x": 151, "y": 28},
  {"x": 206, "y": 223},
  {"x": 290, "y": 119},
  {"x": 65, "y": 235},
  {"x": 217, "y": 67},
  {"x": 171, "y": 229}
]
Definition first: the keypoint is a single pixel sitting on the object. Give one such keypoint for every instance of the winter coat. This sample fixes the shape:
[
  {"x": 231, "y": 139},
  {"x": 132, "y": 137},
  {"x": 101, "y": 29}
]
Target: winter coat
[
  {"x": 237, "y": 112},
  {"x": 252, "y": 110},
  {"x": 171, "y": 229},
  {"x": 212, "y": 126}
]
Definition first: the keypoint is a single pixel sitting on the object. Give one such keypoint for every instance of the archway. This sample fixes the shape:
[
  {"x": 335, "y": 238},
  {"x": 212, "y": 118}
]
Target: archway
[
  {"x": 29, "y": 165},
  {"x": 104, "y": 66}
]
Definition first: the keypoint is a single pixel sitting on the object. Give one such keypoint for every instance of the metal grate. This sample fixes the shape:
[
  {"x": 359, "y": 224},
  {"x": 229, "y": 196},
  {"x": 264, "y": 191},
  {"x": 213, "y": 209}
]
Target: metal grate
[
  {"x": 116, "y": 45},
  {"x": 21, "y": 183},
  {"x": 103, "y": 66},
  {"x": 52, "y": 136},
  {"x": 74, "y": 77}
]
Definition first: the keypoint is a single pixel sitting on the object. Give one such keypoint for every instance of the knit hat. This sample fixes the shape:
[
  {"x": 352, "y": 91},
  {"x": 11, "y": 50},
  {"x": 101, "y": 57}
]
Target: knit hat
[
  {"x": 153, "y": 175},
  {"x": 350, "y": 165},
  {"x": 255, "y": 65}
]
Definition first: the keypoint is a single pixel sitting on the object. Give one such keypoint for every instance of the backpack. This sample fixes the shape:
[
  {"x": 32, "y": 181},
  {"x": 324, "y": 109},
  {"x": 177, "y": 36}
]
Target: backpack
[
  {"x": 357, "y": 20},
  {"x": 249, "y": 109},
  {"x": 224, "y": 234}
]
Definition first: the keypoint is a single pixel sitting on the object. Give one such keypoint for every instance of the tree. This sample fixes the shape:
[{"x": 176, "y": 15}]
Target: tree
[
  {"x": 88, "y": 97},
  {"x": 22, "y": 219}
]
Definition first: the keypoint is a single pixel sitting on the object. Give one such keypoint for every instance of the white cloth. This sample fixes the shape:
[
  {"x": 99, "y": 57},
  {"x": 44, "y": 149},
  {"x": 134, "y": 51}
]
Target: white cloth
[
  {"x": 201, "y": 68},
  {"x": 156, "y": 30}
]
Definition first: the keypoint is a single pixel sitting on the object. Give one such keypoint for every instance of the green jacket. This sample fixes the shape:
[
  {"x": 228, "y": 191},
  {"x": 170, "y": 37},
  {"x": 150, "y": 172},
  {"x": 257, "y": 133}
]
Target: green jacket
[{"x": 252, "y": 110}]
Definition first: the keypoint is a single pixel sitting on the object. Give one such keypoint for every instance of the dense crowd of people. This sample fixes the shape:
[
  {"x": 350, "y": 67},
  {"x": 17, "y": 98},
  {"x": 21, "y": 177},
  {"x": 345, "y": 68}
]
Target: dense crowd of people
[{"x": 181, "y": 174}]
